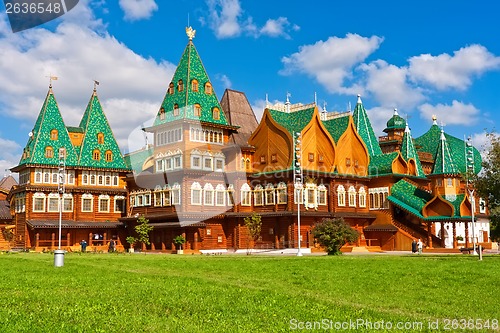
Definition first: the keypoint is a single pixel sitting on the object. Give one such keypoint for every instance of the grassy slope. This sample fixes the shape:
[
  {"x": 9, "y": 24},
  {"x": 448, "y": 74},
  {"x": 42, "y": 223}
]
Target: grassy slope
[{"x": 158, "y": 293}]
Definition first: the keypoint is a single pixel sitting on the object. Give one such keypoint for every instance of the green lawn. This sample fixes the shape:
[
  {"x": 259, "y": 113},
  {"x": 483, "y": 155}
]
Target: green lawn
[{"x": 174, "y": 293}]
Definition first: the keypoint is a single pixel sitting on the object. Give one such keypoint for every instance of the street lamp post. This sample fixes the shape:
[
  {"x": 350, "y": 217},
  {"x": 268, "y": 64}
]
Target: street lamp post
[
  {"x": 59, "y": 254},
  {"x": 297, "y": 180},
  {"x": 470, "y": 187}
]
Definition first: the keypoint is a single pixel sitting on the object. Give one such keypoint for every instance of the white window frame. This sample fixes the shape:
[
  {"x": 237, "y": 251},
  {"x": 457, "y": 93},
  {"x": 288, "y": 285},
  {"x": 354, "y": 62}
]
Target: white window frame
[
  {"x": 220, "y": 193},
  {"x": 352, "y": 196},
  {"x": 208, "y": 194},
  {"x": 258, "y": 196},
  {"x": 282, "y": 190},
  {"x": 298, "y": 194},
  {"x": 122, "y": 199},
  {"x": 50, "y": 199},
  {"x": 341, "y": 196},
  {"x": 270, "y": 194},
  {"x": 362, "y": 197},
  {"x": 322, "y": 195},
  {"x": 196, "y": 194},
  {"x": 90, "y": 197},
  {"x": 103, "y": 198},
  {"x": 67, "y": 196},
  {"x": 38, "y": 176},
  {"x": 39, "y": 196},
  {"x": 246, "y": 195}
]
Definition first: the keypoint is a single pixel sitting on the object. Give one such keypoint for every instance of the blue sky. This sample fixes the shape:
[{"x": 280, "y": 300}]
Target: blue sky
[{"x": 424, "y": 58}]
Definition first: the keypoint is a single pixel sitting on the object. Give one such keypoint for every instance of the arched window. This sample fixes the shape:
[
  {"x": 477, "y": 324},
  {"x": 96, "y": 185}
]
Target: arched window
[
  {"x": 258, "y": 196},
  {"x": 54, "y": 134},
  {"x": 53, "y": 202},
  {"x": 171, "y": 88},
  {"x": 176, "y": 109},
  {"x": 352, "y": 196},
  {"x": 322, "y": 195},
  {"x": 282, "y": 193},
  {"x": 39, "y": 202},
  {"x": 216, "y": 113},
  {"x": 162, "y": 113},
  {"x": 67, "y": 202},
  {"x": 208, "y": 88},
  {"x": 270, "y": 194},
  {"x": 196, "y": 194},
  {"x": 100, "y": 138},
  {"x": 176, "y": 194},
  {"x": 49, "y": 152},
  {"x": 220, "y": 195},
  {"x": 104, "y": 203},
  {"x": 180, "y": 85},
  {"x": 197, "y": 110},
  {"x": 87, "y": 202},
  {"x": 108, "y": 156},
  {"x": 194, "y": 85},
  {"x": 246, "y": 195},
  {"x": 362, "y": 197},
  {"x": 96, "y": 155},
  {"x": 208, "y": 194},
  {"x": 341, "y": 195}
]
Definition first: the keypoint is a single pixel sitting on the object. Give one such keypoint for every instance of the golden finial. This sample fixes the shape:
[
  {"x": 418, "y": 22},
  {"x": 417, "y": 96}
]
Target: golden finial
[{"x": 190, "y": 32}]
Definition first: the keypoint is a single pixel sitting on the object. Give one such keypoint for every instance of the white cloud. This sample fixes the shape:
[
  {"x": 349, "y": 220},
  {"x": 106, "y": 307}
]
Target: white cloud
[
  {"x": 258, "y": 107},
  {"x": 457, "y": 113},
  {"x": 331, "y": 62},
  {"x": 452, "y": 72},
  {"x": 278, "y": 27},
  {"x": 131, "y": 85},
  {"x": 138, "y": 9},
  {"x": 224, "y": 79},
  {"x": 9, "y": 156},
  {"x": 226, "y": 19},
  {"x": 389, "y": 85}
]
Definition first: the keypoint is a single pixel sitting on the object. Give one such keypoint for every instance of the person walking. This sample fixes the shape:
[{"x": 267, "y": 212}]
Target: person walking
[
  {"x": 420, "y": 246},
  {"x": 414, "y": 246},
  {"x": 83, "y": 245}
]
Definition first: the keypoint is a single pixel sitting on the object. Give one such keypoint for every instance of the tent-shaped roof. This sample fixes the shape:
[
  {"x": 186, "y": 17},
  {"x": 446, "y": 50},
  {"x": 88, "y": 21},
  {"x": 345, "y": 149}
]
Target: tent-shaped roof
[
  {"x": 190, "y": 86},
  {"x": 48, "y": 134},
  {"x": 365, "y": 129},
  {"x": 408, "y": 151},
  {"x": 429, "y": 141},
  {"x": 443, "y": 161},
  {"x": 98, "y": 137}
]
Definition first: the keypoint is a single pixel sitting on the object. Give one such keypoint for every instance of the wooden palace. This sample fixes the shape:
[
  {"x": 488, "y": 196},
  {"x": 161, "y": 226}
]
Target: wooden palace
[{"x": 212, "y": 164}]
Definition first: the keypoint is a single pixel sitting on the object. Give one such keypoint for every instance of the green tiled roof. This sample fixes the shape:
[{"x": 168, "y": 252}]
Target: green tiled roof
[
  {"x": 365, "y": 129},
  {"x": 190, "y": 67},
  {"x": 336, "y": 127},
  {"x": 381, "y": 164},
  {"x": 443, "y": 160},
  {"x": 429, "y": 142},
  {"x": 136, "y": 159},
  {"x": 293, "y": 121},
  {"x": 48, "y": 119},
  {"x": 409, "y": 197},
  {"x": 396, "y": 122},
  {"x": 408, "y": 151},
  {"x": 456, "y": 200},
  {"x": 93, "y": 122}
]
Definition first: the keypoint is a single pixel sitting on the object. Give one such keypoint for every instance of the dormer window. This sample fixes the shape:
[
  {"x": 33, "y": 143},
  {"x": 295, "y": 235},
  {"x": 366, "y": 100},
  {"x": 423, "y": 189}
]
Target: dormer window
[
  {"x": 108, "y": 156},
  {"x": 171, "y": 88},
  {"x": 49, "y": 152},
  {"x": 54, "y": 134},
  {"x": 96, "y": 155},
  {"x": 194, "y": 85},
  {"x": 176, "y": 109},
  {"x": 197, "y": 110},
  {"x": 100, "y": 138},
  {"x": 216, "y": 113},
  {"x": 162, "y": 113},
  {"x": 180, "y": 85},
  {"x": 208, "y": 88}
]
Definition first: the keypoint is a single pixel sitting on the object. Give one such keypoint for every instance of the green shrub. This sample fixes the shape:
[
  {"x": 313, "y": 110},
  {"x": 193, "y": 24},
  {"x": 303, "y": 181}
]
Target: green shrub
[{"x": 332, "y": 234}]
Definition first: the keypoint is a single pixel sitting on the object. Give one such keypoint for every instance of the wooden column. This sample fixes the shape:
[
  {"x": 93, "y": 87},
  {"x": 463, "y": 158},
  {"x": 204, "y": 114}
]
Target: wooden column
[
  {"x": 53, "y": 240},
  {"x": 429, "y": 235},
  {"x": 68, "y": 239},
  {"x": 442, "y": 234},
  {"x": 37, "y": 239},
  {"x": 195, "y": 242},
  {"x": 163, "y": 247},
  {"x": 455, "y": 243},
  {"x": 466, "y": 234},
  {"x": 91, "y": 238}
]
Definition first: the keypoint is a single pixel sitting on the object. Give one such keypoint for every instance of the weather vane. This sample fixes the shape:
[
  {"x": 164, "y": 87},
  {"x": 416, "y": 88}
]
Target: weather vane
[
  {"x": 96, "y": 83},
  {"x": 190, "y": 32},
  {"x": 51, "y": 78}
]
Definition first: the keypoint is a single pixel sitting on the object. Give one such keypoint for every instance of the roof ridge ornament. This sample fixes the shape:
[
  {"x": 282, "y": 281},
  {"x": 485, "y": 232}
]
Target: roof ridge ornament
[
  {"x": 434, "y": 119},
  {"x": 190, "y": 32},
  {"x": 396, "y": 112},
  {"x": 359, "y": 99}
]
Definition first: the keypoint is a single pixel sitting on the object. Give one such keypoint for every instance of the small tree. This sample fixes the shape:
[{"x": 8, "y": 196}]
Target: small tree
[
  {"x": 254, "y": 226},
  {"x": 131, "y": 241},
  {"x": 179, "y": 240},
  {"x": 143, "y": 229},
  {"x": 332, "y": 234}
]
